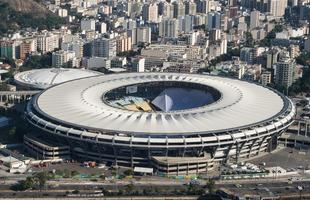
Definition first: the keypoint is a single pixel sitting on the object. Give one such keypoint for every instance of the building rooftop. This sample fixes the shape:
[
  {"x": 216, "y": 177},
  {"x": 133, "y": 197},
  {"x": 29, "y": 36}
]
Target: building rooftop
[
  {"x": 44, "y": 78},
  {"x": 79, "y": 103}
]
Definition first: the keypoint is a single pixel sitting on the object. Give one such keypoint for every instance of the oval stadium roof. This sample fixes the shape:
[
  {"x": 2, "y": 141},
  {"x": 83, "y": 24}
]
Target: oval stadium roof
[
  {"x": 44, "y": 78},
  {"x": 79, "y": 103}
]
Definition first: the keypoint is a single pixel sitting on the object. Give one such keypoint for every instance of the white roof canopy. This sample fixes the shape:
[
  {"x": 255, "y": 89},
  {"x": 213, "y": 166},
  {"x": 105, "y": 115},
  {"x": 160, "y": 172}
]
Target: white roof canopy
[{"x": 80, "y": 103}]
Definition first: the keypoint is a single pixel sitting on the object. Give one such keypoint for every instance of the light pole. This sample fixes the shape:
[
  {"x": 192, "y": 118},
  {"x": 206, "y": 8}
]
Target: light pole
[{"x": 300, "y": 188}]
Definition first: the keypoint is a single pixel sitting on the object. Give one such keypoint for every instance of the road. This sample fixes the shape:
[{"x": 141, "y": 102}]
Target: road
[{"x": 261, "y": 187}]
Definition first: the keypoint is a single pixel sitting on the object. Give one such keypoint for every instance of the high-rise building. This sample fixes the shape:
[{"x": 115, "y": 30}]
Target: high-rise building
[
  {"x": 307, "y": 45},
  {"x": 284, "y": 72},
  {"x": 165, "y": 9},
  {"x": 88, "y": 25},
  {"x": 57, "y": 2},
  {"x": 76, "y": 46},
  {"x": 61, "y": 58},
  {"x": 143, "y": 35},
  {"x": 215, "y": 35},
  {"x": 150, "y": 12},
  {"x": 214, "y": 20},
  {"x": 186, "y": 23},
  {"x": 169, "y": 28},
  {"x": 232, "y": 3},
  {"x": 47, "y": 42},
  {"x": 7, "y": 49},
  {"x": 277, "y": 7},
  {"x": 272, "y": 58},
  {"x": 294, "y": 50},
  {"x": 102, "y": 27},
  {"x": 190, "y": 8},
  {"x": 178, "y": 9},
  {"x": 62, "y": 12},
  {"x": 265, "y": 78},
  {"x": 138, "y": 64},
  {"x": 203, "y": 6},
  {"x": 104, "y": 47},
  {"x": 232, "y": 11},
  {"x": 254, "y": 19},
  {"x": 27, "y": 47},
  {"x": 248, "y": 55},
  {"x": 123, "y": 43}
]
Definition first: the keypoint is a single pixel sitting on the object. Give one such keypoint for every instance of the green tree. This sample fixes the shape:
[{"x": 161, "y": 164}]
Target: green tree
[
  {"x": 211, "y": 186},
  {"x": 67, "y": 173},
  {"x": 26, "y": 184},
  {"x": 302, "y": 84},
  {"x": 128, "y": 172},
  {"x": 129, "y": 189},
  {"x": 15, "y": 20},
  {"x": 38, "y": 62},
  {"x": 303, "y": 59},
  {"x": 41, "y": 179}
]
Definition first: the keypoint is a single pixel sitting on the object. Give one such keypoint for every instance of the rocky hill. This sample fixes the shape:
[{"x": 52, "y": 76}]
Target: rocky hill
[
  {"x": 26, "y": 6},
  {"x": 20, "y": 14}
]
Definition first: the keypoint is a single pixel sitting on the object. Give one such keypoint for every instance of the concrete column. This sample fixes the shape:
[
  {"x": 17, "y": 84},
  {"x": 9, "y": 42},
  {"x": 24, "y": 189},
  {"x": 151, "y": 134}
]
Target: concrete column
[
  {"x": 260, "y": 145},
  {"x": 251, "y": 147}
]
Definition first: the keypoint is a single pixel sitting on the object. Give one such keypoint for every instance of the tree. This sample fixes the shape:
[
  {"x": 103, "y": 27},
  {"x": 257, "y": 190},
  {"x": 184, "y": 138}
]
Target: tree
[
  {"x": 67, "y": 173},
  {"x": 129, "y": 189},
  {"x": 41, "y": 179},
  {"x": 195, "y": 189},
  {"x": 4, "y": 87},
  {"x": 16, "y": 20},
  {"x": 303, "y": 59},
  {"x": 302, "y": 84},
  {"x": 26, "y": 184},
  {"x": 211, "y": 186},
  {"x": 128, "y": 172},
  {"x": 74, "y": 173},
  {"x": 75, "y": 192},
  {"x": 37, "y": 62}
]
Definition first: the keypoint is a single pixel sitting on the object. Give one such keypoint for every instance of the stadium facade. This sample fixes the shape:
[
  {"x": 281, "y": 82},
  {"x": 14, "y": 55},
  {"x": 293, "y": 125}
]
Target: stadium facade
[{"x": 175, "y": 123}]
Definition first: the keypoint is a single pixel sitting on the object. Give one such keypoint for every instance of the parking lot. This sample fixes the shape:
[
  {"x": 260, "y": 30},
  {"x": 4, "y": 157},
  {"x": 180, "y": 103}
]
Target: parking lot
[{"x": 286, "y": 158}]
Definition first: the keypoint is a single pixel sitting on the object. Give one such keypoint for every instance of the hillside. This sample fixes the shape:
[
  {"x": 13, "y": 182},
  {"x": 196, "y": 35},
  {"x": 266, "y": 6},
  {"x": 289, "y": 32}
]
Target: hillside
[
  {"x": 19, "y": 14},
  {"x": 26, "y": 6}
]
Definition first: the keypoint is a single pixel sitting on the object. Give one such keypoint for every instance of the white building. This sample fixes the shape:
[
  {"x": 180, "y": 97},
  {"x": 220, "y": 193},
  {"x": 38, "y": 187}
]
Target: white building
[
  {"x": 138, "y": 64},
  {"x": 265, "y": 78},
  {"x": 254, "y": 19},
  {"x": 143, "y": 35},
  {"x": 96, "y": 63},
  {"x": 76, "y": 46},
  {"x": 88, "y": 25},
  {"x": 61, "y": 58},
  {"x": 47, "y": 42},
  {"x": 277, "y": 7},
  {"x": 62, "y": 12},
  {"x": 169, "y": 28},
  {"x": 285, "y": 70}
]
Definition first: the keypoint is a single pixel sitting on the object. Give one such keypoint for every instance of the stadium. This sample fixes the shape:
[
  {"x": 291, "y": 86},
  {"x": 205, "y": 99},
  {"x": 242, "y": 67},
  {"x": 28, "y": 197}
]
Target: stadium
[
  {"x": 174, "y": 123},
  {"x": 39, "y": 79}
]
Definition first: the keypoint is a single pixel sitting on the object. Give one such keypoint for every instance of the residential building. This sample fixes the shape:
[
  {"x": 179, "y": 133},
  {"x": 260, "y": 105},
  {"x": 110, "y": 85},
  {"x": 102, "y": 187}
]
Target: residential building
[{"x": 104, "y": 47}]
